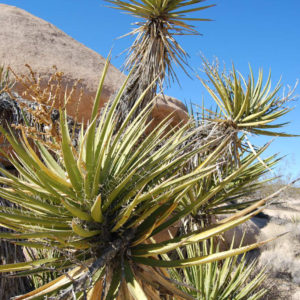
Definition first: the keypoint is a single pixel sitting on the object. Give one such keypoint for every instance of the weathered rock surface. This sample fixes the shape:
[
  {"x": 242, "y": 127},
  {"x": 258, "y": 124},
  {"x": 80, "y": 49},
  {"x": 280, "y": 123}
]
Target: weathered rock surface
[
  {"x": 26, "y": 39},
  {"x": 166, "y": 105}
]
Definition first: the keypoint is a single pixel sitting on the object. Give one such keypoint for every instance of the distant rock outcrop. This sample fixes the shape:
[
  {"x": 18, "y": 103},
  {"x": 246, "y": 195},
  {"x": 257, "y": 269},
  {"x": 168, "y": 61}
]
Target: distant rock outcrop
[{"x": 26, "y": 39}]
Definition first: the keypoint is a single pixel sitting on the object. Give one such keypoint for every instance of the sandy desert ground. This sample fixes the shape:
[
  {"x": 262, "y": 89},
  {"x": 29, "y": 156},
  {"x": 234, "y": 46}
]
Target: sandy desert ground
[{"x": 282, "y": 256}]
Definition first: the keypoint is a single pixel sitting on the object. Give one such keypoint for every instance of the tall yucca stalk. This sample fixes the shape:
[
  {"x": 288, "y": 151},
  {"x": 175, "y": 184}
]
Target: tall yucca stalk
[
  {"x": 155, "y": 49},
  {"x": 98, "y": 205}
]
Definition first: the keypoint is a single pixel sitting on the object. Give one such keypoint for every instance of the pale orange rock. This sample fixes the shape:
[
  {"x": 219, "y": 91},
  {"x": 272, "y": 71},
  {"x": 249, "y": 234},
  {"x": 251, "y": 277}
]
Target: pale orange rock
[{"x": 26, "y": 39}]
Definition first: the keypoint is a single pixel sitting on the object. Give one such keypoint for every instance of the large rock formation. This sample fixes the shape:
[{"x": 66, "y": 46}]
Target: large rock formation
[{"x": 26, "y": 39}]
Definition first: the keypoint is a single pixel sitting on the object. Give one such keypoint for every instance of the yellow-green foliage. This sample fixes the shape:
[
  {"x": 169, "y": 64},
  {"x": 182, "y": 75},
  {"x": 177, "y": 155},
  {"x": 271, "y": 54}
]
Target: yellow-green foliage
[{"x": 98, "y": 204}]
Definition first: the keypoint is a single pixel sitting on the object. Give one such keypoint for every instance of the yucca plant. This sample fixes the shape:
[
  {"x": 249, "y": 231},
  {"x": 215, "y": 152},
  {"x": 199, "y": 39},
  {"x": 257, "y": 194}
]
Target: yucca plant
[
  {"x": 242, "y": 109},
  {"x": 155, "y": 49},
  {"x": 100, "y": 196},
  {"x": 98, "y": 204},
  {"x": 246, "y": 105}
]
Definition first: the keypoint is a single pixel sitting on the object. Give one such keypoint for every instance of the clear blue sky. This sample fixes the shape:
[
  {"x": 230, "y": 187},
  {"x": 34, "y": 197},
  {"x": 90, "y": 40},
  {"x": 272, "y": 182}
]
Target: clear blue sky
[{"x": 263, "y": 33}]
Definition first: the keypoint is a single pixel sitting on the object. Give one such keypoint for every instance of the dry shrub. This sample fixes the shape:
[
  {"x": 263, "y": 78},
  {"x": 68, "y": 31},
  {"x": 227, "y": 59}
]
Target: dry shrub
[
  {"x": 40, "y": 104},
  {"x": 282, "y": 257}
]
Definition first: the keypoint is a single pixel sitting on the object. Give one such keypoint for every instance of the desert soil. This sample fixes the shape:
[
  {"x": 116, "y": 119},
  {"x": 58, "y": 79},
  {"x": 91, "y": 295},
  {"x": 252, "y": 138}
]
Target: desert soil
[{"x": 282, "y": 256}]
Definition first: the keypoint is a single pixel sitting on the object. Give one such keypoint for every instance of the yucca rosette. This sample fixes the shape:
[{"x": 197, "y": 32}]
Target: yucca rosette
[{"x": 100, "y": 203}]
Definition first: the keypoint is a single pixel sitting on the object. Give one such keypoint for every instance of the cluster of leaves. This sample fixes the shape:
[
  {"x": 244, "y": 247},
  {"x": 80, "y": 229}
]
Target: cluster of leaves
[
  {"x": 247, "y": 105},
  {"x": 98, "y": 203},
  {"x": 229, "y": 280},
  {"x": 155, "y": 48}
]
